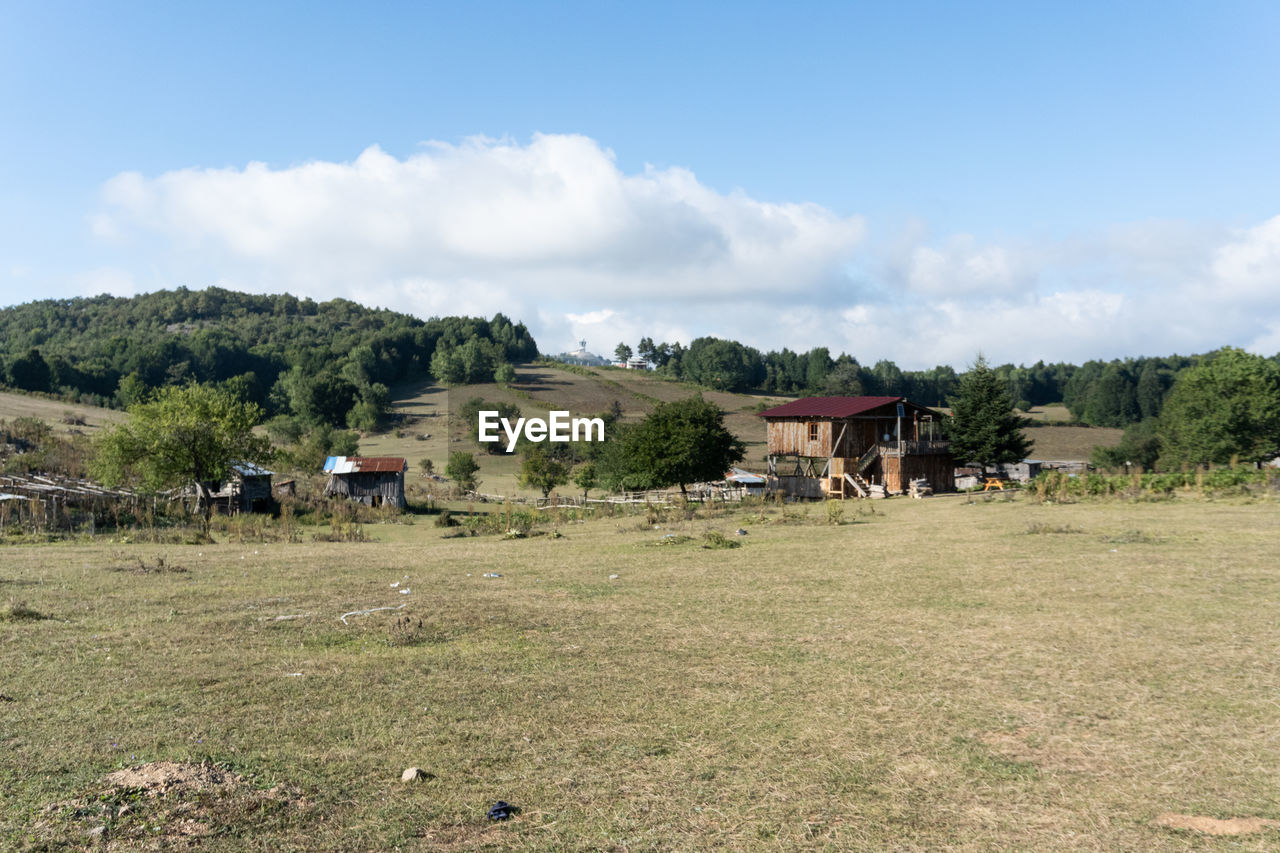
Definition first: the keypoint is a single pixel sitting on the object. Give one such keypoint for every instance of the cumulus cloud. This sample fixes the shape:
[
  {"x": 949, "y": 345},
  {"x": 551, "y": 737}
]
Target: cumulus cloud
[
  {"x": 556, "y": 215},
  {"x": 961, "y": 266},
  {"x": 553, "y": 232},
  {"x": 1248, "y": 267}
]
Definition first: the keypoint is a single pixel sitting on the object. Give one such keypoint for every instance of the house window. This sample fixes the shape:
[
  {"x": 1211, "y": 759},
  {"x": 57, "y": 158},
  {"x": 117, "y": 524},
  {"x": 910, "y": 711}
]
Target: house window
[{"x": 813, "y": 432}]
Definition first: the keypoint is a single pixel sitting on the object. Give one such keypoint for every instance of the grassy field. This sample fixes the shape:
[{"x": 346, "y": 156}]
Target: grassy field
[
  {"x": 1058, "y": 414},
  {"x": 55, "y": 412},
  {"x": 947, "y": 674},
  {"x": 1065, "y": 443}
]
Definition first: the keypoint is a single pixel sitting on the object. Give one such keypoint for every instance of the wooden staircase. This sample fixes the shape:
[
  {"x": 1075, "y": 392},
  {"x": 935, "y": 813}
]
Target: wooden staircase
[
  {"x": 873, "y": 452},
  {"x": 863, "y": 488}
]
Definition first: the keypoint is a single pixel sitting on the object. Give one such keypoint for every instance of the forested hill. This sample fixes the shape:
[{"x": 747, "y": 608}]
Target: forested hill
[{"x": 322, "y": 361}]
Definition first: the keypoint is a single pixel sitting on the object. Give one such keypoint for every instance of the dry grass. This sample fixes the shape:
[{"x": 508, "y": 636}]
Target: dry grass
[
  {"x": 537, "y": 390},
  {"x": 1066, "y": 443},
  {"x": 929, "y": 678},
  {"x": 1057, "y": 414},
  {"x": 52, "y": 412}
]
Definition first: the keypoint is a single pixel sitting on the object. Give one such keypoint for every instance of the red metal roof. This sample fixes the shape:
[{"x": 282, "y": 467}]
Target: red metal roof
[
  {"x": 829, "y": 407},
  {"x": 377, "y": 464}
]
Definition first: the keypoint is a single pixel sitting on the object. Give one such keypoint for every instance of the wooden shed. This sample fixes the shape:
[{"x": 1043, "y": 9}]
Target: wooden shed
[
  {"x": 371, "y": 480},
  {"x": 248, "y": 489},
  {"x": 856, "y": 447}
]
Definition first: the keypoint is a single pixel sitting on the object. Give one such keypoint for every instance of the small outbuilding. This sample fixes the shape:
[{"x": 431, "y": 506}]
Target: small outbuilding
[
  {"x": 371, "y": 480},
  {"x": 1020, "y": 472},
  {"x": 748, "y": 484},
  {"x": 248, "y": 489}
]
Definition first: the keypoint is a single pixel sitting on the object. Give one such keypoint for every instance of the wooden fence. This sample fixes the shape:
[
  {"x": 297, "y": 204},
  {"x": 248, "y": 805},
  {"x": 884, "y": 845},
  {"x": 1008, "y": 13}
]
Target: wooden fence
[{"x": 49, "y": 501}]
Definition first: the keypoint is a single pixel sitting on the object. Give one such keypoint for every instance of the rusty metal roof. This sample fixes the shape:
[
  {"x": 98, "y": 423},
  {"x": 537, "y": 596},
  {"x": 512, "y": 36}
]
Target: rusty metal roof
[
  {"x": 364, "y": 464},
  {"x": 829, "y": 407}
]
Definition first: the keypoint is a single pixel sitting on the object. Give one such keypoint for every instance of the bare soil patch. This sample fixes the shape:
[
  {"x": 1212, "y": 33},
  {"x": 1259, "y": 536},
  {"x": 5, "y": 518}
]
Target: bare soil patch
[{"x": 159, "y": 805}]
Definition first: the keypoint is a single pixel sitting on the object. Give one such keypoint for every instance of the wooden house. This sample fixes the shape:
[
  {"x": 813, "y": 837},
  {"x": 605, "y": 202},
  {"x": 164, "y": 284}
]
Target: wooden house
[
  {"x": 371, "y": 480},
  {"x": 856, "y": 447}
]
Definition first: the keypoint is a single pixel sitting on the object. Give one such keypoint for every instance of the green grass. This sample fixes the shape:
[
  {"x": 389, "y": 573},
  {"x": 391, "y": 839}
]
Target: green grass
[{"x": 929, "y": 678}]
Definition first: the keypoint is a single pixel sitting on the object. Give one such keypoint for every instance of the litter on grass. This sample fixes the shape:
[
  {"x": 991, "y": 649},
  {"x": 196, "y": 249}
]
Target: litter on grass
[
  {"x": 502, "y": 810},
  {"x": 344, "y": 616}
]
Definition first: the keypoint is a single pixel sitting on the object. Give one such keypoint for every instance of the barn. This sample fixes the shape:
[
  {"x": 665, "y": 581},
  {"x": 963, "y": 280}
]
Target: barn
[
  {"x": 856, "y": 447},
  {"x": 371, "y": 480}
]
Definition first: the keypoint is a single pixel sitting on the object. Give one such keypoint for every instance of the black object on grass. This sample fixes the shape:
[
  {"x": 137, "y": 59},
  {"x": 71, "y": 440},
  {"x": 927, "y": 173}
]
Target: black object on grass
[{"x": 502, "y": 810}]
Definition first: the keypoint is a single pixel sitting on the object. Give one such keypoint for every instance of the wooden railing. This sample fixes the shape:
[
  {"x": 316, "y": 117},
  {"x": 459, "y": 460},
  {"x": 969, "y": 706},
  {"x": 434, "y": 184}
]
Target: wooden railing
[
  {"x": 867, "y": 458},
  {"x": 913, "y": 448}
]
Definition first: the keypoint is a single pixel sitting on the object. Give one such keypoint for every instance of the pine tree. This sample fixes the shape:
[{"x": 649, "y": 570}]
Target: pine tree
[{"x": 984, "y": 427}]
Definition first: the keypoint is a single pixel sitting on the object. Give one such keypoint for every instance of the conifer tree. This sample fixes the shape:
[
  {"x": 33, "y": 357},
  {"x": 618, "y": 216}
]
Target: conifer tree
[{"x": 984, "y": 427}]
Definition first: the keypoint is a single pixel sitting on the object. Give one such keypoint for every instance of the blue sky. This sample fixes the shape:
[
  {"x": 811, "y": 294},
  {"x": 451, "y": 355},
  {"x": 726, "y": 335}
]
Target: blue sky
[{"x": 905, "y": 181}]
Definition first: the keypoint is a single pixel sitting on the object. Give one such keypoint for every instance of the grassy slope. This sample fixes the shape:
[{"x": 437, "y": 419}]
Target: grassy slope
[
  {"x": 1054, "y": 441},
  {"x": 540, "y": 389},
  {"x": 931, "y": 678},
  {"x": 537, "y": 391},
  {"x": 52, "y": 411}
]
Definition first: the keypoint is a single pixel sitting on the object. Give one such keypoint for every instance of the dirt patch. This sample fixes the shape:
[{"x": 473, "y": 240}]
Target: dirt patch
[
  {"x": 160, "y": 777},
  {"x": 142, "y": 567},
  {"x": 153, "y": 806},
  {"x": 1214, "y": 826},
  {"x": 1062, "y": 747}
]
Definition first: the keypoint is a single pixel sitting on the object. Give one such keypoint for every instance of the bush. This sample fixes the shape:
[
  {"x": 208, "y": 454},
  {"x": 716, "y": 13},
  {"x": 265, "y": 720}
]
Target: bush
[
  {"x": 1061, "y": 487},
  {"x": 462, "y": 470},
  {"x": 715, "y": 540}
]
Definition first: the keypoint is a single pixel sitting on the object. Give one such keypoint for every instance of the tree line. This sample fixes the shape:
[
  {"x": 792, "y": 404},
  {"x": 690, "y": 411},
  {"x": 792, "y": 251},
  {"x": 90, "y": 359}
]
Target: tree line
[
  {"x": 319, "y": 363},
  {"x": 1112, "y": 393}
]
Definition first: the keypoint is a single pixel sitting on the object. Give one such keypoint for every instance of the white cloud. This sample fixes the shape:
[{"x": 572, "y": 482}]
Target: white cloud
[
  {"x": 113, "y": 280},
  {"x": 961, "y": 266},
  {"x": 554, "y": 233},
  {"x": 1248, "y": 267},
  {"x": 551, "y": 219}
]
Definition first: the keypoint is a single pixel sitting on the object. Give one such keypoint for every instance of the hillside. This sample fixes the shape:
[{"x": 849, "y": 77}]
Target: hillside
[
  {"x": 419, "y": 427},
  {"x": 420, "y": 409},
  {"x": 63, "y": 417},
  {"x": 323, "y": 362}
]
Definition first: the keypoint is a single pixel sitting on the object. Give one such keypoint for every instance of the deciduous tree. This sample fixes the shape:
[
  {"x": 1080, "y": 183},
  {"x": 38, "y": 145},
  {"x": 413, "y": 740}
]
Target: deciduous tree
[
  {"x": 540, "y": 470},
  {"x": 678, "y": 443},
  {"x": 462, "y": 470},
  {"x": 585, "y": 477},
  {"x": 188, "y": 435},
  {"x": 1227, "y": 406}
]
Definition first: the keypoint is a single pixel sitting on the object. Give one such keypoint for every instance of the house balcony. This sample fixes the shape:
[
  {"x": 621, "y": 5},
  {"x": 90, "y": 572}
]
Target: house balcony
[{"x": 895, "y": 449}]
